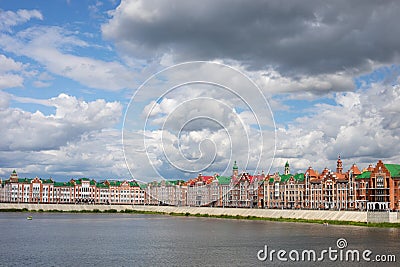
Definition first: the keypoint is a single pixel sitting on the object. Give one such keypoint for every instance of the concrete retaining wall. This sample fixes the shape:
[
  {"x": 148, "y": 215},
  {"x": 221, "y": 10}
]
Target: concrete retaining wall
[
  {"x": 355, "y": 216},
  {"x": 266, "y": 213},
  {"x": 392, "y": 217}
]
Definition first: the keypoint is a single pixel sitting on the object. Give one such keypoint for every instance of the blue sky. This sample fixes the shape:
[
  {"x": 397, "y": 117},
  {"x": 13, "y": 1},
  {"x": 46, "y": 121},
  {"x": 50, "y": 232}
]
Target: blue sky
[{"x": 69, "y": 69}]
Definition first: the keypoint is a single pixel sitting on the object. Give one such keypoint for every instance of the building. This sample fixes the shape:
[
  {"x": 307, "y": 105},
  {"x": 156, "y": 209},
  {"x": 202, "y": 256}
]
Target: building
[
  {"x": 374, "y": 188},
  {"x": 284, "y": 190},
  {"x": 83, "y": 190}
]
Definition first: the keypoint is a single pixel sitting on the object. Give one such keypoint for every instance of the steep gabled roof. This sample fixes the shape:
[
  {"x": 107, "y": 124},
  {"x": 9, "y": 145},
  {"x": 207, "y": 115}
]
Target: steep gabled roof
[
  {"x": 394, "y": 169},
  {"x": 364, "y": 175},
  {"x": 311, "y": 173},
  {"x": 59, "y": 184},
  {"x": 143, "y": 186},
  {"x": 355, "y": 169},
  {"x": 101, "y": 185},
  {"x": 224, "y": 180},
  {"x": 134, "y": 184},
  {"x": 299, "y": 177}
]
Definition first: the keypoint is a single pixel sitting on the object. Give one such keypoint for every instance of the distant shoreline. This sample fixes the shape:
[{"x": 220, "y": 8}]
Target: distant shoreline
[{"x": 354, "y": 218}]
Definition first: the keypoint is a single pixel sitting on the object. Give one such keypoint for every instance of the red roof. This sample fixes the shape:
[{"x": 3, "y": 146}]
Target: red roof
[
  {"x": 355, "y": 169},
  {"x": 370, "y": 168},
  {"x": 311, "y": 173}
]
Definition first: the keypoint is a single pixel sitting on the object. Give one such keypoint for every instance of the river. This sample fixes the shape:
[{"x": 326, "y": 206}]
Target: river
[{"x": 63, "y": 239}]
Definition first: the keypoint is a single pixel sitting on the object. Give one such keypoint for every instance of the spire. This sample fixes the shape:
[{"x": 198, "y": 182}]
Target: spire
[
  {"x": 14, "y": 176},
  {"x": 287, "y": 169},
  {"x": 339, "y": 165},
  {"x": 235, "y": 170},
  {"x": 235, "y": 167}
]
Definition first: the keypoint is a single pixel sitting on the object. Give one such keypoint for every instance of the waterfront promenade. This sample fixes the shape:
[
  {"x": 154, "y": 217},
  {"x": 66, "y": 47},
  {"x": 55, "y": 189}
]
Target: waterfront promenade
[{"x": 354, "y": 216}]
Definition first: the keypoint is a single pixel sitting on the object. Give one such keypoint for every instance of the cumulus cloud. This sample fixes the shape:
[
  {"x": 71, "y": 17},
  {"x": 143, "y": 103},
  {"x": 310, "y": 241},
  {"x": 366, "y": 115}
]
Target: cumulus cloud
[
  {"x": 362, "y": 127},
  {"x": 28, "y": 131},
  {"x": 199, "y": 117},
  {"x": 10, "y": 73},
  {"x": 296, "y": 39},
  {"x": 96, "y": 154}
]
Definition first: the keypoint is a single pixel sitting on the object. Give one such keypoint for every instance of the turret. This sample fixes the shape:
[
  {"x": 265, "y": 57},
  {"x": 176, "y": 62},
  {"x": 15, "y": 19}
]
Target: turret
[
  {"x": 235, "y": 170},
  {"x": 339, "y": 165},
  {"x": 287, "y": 169}
]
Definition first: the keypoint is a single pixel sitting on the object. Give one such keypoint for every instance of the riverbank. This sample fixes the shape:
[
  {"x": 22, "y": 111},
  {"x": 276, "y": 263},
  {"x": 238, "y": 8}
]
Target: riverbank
[{"x": 307, "y": 216}]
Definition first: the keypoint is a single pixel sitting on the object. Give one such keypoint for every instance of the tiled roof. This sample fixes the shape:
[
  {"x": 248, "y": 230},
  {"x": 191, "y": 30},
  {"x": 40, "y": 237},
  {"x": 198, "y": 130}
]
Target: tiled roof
[
  {"x": 224, "y": 180},
  {"x": 101, "y": 185},
  {"x": 143, "y": 186},
  {"x": 115, "y": 183},
  {"x": 340, "y": 176},
  {"x": 364, "y": 175},
  {"x": 299, "y": 177},
  {"x": 311, "y": 172},
  {"x": 394, "y": 169},
  {"x": 355, "y": 170},
  {"x": 285, "y": 177},
  {"x": 59, "y": 184},
  {"x": 24, "y": 180}
]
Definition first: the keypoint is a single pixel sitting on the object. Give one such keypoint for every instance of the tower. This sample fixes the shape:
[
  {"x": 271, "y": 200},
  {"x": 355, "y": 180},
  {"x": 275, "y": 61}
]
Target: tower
[
  {"x": 287, "y": 169},
  {"x": 339, "y": 165},
  {"x": 235, "y": 170},
  {"x": 14, "y": 177}
]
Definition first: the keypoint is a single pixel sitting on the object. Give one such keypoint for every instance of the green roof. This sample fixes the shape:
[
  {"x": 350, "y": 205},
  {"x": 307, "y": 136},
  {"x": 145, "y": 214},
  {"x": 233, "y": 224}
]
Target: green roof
[
  {"x": 364, "y": 175},
  {"x": 285, "y": 177},
  {"x": 115, "y": 183},
  {"x": 394, "y": 169},
  {"x": 101, "y": 185},
  {"x": 235, "y": 167},
  {"x": 287, "y": 164},
  {"x": 224, "y": 180},
  {"x": 58, "y": 184},
  {"x": 143, "y": 186},
  {"x": 24, "y": 180},
  {"x": 174, "y": 182},
  {"x": 299, "y": 177},
  {"x": 134, "y": 183}
]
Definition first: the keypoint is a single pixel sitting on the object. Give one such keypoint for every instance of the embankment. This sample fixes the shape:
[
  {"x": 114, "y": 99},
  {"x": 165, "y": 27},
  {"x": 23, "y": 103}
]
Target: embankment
[{"x": 300, "y": 215}]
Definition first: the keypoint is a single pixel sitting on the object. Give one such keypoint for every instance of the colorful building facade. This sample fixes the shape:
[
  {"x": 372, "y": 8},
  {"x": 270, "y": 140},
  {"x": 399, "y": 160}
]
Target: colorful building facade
[
  {"x": 374, "y": 188},
  {"x": 83, "y": 190}
]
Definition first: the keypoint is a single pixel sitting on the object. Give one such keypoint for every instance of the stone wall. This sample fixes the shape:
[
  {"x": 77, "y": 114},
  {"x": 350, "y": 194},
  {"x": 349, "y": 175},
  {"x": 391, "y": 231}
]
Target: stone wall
[
  {"x": 392, "y": 217},
  {"x": 355, "y": 216},
  {"x": 266, "y": 213}
]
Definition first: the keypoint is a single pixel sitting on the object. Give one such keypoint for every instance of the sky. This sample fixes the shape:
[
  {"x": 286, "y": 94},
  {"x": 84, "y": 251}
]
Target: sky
[{"x": 155, "y": 90}]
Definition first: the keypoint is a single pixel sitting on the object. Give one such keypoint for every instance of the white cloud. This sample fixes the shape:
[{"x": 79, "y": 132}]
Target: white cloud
[
  {"x": 362, "y": 127},
  {"x": 53, "y": 47},
  {"x": 96, "y": 154},
  {"x": 8, "y": 19},
  {"x": 4, "y": 100},
  {"x": 28, "y": 131},
  {"x": 8, "y": 76}
]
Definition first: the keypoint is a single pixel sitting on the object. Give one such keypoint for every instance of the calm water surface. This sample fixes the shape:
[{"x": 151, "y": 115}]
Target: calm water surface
[{"x": 59, "y": 239}]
